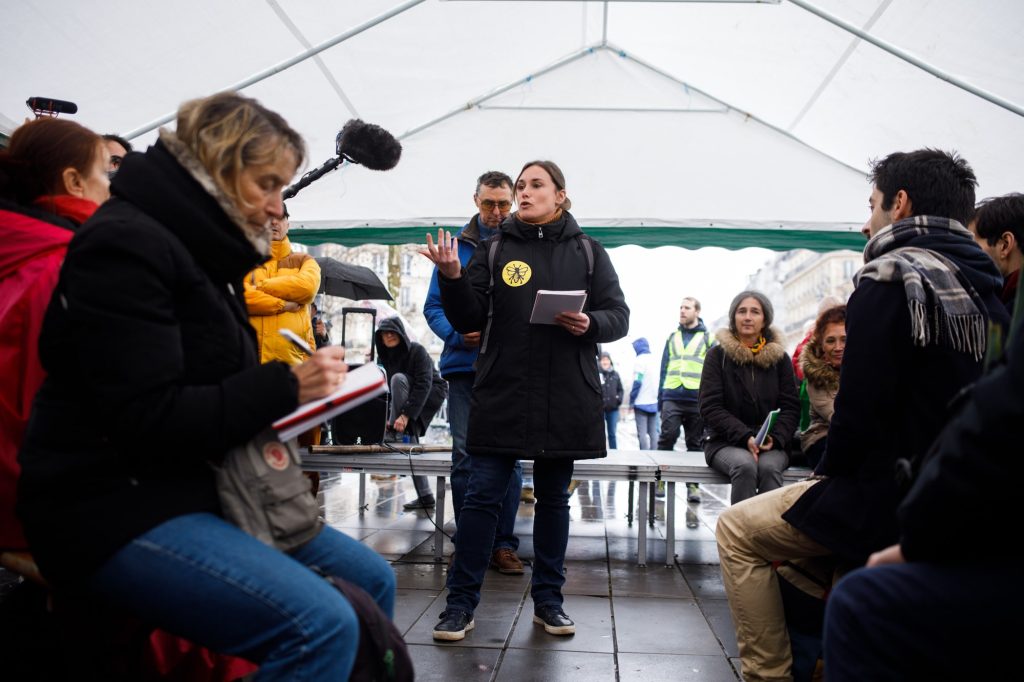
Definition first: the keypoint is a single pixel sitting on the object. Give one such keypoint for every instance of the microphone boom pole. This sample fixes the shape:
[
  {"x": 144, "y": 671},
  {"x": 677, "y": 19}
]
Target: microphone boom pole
[
  {"x": 311, "y": 176},
  {"x": 366, "y": 144}
]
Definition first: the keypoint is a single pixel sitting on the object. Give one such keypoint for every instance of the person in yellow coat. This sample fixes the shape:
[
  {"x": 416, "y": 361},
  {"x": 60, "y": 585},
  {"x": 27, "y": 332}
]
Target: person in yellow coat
[{"x": 278, "y": 294}]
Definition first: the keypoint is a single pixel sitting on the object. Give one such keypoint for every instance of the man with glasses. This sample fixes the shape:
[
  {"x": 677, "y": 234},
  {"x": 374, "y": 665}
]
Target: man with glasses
[
  {"x": 493, "y": 199},
  {"x": 118, "y": 148}
]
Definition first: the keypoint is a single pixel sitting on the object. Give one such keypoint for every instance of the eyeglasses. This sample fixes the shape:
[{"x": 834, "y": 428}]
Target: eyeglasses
[
  {"x": 115, "y": 164},
  {"x": 488, "y": 205}
]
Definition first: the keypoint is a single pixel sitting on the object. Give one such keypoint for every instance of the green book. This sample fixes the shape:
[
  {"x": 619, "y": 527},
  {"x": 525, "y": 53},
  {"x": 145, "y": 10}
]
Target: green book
[{"x": 766, "y": 428}]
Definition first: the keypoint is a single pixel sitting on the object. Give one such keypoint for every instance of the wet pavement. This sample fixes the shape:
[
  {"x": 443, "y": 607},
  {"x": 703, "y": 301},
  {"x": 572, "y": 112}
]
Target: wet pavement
[
  {"x": 632, "y": 623},
  {"x": 653, "y": 623}
]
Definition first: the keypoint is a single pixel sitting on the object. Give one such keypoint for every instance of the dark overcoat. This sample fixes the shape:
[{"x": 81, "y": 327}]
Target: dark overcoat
[
  {"x": 537, "y": 392},
  {"x": 152, "y": 366}
]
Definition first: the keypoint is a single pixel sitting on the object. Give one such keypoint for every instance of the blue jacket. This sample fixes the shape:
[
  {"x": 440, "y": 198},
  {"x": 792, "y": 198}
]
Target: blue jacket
[
  {"x": 681, "y": 394},
  {"x": 455, "y": 358}
]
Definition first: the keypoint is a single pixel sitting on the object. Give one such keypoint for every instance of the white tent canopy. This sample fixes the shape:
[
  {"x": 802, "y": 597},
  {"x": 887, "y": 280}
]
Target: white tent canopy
[{"x": 688, "y": 123}]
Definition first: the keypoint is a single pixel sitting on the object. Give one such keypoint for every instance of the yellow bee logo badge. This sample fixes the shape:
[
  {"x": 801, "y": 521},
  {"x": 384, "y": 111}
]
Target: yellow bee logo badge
[{"x": 516, "y": 273}]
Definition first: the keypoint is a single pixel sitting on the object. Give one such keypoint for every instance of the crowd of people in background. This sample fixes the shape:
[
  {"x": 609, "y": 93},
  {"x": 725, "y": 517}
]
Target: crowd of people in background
[{"x": 155, "y": 316}]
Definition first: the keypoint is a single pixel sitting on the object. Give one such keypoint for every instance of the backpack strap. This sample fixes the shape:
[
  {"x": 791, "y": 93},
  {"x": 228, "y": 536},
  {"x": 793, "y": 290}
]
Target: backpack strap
[
  {"x": 492, "y": 257},
  {"x": 588, "y": 253}
]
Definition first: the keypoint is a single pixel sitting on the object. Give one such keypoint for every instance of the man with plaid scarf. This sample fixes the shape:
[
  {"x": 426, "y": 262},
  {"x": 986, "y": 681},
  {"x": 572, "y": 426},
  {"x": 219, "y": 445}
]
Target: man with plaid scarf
[{"x": 917, "y": 327}]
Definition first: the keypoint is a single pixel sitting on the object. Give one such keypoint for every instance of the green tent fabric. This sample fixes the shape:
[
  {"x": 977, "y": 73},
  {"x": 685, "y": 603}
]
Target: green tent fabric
[{"x": 779, "y": 239}]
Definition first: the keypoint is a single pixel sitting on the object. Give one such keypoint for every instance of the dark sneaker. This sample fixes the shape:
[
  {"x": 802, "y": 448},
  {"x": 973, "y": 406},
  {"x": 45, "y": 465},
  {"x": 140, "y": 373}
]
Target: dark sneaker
[
  {"x": 506, "y": 561},
  {"x": 693, "y": 493},
  {"x": 453, "y": 626},
  {"x": 425, "y": 502},
  {"x": 554, "y": 620}
]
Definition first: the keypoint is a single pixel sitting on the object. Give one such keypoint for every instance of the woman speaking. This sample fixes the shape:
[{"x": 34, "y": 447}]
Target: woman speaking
[{"x": 537, "y": 393}]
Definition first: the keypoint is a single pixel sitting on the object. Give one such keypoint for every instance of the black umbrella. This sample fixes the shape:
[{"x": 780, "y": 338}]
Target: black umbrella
[{"x": 350, "y": 281}]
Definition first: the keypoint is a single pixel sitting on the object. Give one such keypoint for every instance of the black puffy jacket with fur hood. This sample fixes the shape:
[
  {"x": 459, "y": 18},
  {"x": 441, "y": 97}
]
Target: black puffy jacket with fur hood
[{"x": 738, "y": 389}]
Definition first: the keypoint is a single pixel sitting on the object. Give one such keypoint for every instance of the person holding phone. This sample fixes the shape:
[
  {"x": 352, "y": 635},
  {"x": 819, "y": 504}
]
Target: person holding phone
[{"x": 746, "y": 376}]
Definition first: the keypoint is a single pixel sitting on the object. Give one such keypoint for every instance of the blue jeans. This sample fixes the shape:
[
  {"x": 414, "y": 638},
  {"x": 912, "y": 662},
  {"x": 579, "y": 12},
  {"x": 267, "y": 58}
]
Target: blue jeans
[
  {"x": 460, "y": 390},
  {"x": 611, "y": 422},
  {"x": 488, "y": 482},
  {"x": 202, "y": 578}
]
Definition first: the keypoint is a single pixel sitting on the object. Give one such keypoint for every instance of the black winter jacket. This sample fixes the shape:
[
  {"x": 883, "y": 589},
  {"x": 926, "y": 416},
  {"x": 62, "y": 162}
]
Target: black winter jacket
[
  {"x": 537, "y": 393},
  {"x": 893, "y": 400},
  {"x": 427, "y": 390},
  {"x": 974, "y": 458},
  {"x": 152, "y": 369},
  {"x": 738, "y": 389},
  {"x": 611, "y": 390}
]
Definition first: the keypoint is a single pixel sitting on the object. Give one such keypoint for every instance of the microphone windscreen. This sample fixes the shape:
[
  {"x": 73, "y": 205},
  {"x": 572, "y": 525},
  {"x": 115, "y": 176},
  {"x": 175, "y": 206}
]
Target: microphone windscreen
[
  {"x": 51, "y": 106},
  {"x": 368, "y": 145}
]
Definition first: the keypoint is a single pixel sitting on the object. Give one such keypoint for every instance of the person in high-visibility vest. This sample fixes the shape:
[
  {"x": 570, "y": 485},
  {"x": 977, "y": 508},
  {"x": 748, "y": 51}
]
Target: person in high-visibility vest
[{"x": 681, "y": 365}]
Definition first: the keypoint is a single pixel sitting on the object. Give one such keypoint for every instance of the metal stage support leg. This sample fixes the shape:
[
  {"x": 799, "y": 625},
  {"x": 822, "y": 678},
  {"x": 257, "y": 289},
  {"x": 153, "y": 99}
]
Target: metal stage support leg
[
  {"x": 629, "y": 506},
  {"x": 641, "y": 525},
  {"x": 670, "y": 525},
  {"x": 650, "y": 497},
  {"x": 362, "y": 493},
  {"x": 439, "y": 520}
]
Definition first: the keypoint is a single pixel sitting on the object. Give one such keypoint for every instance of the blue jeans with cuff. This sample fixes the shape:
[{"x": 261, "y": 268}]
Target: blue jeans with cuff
[
  {"x": 488, "y": 482},
  {"x": 202, "y": 578}
]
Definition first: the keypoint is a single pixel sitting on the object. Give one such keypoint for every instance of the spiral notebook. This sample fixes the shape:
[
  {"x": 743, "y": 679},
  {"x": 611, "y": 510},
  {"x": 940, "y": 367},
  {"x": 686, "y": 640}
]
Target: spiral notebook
[{"x": 360, "y": 385}]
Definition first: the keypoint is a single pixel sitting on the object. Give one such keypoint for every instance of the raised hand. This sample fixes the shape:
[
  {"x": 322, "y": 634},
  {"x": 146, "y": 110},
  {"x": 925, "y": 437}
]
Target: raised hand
[{"x": 444, "y": 254}]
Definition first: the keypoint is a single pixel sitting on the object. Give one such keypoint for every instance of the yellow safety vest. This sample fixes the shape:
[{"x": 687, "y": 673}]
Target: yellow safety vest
[{"x": 685, "y": 364}]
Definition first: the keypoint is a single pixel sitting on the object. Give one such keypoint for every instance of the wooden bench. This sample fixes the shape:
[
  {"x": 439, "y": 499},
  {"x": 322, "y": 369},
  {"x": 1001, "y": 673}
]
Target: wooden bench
[{"x": 644, "y": 467}]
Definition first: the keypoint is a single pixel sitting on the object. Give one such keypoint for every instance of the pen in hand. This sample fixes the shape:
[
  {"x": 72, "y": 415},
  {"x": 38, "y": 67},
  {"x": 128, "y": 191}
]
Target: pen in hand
[{"x": 296, "y": 341}]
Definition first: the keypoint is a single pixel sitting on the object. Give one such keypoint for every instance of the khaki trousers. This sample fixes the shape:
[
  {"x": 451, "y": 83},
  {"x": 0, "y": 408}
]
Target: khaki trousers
[{"x": 751, "y": 535}]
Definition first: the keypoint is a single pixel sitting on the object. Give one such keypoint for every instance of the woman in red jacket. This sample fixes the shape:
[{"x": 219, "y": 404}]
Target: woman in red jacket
[{"x": 53, "y": 176}]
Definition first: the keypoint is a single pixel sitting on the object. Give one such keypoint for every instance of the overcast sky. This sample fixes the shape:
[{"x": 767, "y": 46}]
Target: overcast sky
[{"x": 655, "y": 281}]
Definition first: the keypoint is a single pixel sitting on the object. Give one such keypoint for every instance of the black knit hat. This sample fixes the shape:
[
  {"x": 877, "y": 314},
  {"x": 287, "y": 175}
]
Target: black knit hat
[{"x": 766, "y": 306}]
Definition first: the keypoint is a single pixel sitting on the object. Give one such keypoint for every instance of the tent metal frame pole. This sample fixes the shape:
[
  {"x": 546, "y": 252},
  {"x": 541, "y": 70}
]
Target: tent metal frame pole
[
  {"x": 501, "y": 90},
  {"x": 840, "y": 63},
  {"x": 288, "y": 63},
  {"x": 710, "y": 2},
  {"x": 909, "y": 58},
  {"x": 604, "y": 26},
  {"x": 631, "y": 110},
  {"x": 782, "y": 131}
]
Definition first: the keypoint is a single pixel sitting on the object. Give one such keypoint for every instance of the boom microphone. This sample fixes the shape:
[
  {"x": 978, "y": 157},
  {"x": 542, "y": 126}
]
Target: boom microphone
[
  {"x": 360, "y": 143},
  {"x": 47, "y": 106},
  {"x": 368, "y": 145}
]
